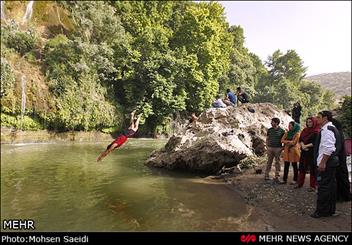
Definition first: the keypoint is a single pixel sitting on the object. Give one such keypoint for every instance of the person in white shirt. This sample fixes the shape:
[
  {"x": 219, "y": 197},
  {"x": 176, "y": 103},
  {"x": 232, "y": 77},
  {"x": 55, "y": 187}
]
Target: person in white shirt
[
  {"x": 326, "y": 150},
  {"x": 218, "y": 103}
]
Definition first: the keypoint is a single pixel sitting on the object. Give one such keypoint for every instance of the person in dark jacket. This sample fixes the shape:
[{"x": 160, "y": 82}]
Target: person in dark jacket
[
  {"x": 342, "y": 181},
  {"x": 242, "y": 96},
  {"x": 296, "y": 112}
]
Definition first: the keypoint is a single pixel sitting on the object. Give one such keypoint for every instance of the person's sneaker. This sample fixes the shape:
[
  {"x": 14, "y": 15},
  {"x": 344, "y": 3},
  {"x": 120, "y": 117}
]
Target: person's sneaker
[
  {"x": 282, "y": 182},
  {"x": 311, "y": 189},
  {"x": 267, "y": 178},
  {"x": 293, "y": 182},
  {"x": 297, "y": 187}
]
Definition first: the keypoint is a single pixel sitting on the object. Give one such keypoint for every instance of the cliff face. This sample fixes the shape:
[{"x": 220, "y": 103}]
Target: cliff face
[
  {"x": 47, "y": 19},
  {"x": 220, "y": 137}
]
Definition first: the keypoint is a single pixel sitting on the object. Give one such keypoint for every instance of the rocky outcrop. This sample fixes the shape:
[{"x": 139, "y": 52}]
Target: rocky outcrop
[{"x": 221, "y": 137}]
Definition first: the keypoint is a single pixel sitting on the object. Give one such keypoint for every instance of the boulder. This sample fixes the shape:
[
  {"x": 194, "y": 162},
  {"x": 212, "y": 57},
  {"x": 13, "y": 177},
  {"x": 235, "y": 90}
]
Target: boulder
[{"x": 221, "y": 137}]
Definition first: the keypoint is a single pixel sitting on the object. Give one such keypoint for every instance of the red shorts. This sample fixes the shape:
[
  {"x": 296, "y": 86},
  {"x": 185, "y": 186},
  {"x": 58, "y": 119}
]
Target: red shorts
[{"x": 120, "y": 140}]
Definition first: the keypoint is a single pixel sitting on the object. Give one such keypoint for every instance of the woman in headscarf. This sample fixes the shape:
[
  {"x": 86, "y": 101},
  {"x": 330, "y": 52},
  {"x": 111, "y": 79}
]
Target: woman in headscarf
[
  {"x": 291, "y": 151},
  {"x": 307, "y": 141}
]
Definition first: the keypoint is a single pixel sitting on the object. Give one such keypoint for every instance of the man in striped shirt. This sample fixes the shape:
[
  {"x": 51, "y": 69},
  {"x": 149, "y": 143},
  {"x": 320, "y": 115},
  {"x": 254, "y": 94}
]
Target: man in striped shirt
[{"x": 274, "y": 146}]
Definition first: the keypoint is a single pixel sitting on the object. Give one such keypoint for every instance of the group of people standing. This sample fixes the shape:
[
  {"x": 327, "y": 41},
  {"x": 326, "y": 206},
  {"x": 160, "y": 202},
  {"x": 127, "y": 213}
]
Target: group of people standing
[
  {"x": 231, "y": 99},
  {"x": 319, "y": 149}
]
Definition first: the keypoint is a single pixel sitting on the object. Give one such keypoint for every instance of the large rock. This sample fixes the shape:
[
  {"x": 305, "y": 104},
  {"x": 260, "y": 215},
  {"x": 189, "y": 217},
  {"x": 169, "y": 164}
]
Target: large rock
[{"x": 221, "y": 137}]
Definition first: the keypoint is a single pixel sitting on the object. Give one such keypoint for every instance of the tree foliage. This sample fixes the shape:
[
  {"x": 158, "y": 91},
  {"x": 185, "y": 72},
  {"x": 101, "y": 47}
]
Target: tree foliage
[
  {"x": 240, "y": 70},
  {"x": 345, "y": 116},
  {"x": 161, "y": 58},
  {"x": 283, "y": 84},
  {"x": 177, "y": 53},
  {"x": 19, "y": 40},
  {"x": 94, "y": 21},
  {"x": 7, "y": 78},
  {"x": 81, "y": 68}
]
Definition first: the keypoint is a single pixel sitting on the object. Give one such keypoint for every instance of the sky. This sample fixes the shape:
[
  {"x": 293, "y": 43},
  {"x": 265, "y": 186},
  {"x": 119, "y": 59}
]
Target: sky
[{"x": 319, "y": 31}]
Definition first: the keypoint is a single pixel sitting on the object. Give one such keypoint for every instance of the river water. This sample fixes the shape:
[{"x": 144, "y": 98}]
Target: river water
[{"x": 62, "y": 188}]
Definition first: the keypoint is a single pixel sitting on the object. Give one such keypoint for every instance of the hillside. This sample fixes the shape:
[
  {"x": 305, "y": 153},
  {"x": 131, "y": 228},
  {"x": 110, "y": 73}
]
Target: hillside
[{"x": 338, "y": 82}]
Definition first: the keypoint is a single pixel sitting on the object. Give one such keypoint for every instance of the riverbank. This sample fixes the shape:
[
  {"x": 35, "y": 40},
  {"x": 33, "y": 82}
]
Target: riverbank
[
  {"x": 283, "y": 208},
  {"x": 15, "y": 136}
]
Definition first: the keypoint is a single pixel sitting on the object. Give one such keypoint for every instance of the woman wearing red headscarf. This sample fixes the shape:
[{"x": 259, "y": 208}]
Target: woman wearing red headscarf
[{"x": 307, "y": 141}]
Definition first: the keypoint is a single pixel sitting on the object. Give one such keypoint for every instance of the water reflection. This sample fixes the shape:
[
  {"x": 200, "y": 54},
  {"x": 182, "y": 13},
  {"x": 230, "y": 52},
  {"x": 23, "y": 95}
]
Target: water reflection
[{"x": 62, "y": 188}]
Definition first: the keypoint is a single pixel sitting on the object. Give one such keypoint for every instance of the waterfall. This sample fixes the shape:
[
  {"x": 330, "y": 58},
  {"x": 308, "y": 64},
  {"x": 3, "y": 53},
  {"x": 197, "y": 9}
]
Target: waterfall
[
  {"x": 29, "y": 10},
  {"x": 23, "y": 99},
  {"x": 2, "y": 11}
]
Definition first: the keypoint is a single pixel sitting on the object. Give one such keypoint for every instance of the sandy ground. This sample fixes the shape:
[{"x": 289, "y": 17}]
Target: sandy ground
[{"x": 276, "y": 207}]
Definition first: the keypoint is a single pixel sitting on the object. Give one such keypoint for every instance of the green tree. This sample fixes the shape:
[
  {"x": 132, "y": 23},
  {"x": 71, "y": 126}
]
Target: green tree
[
  {"x": 21, "y": 41},
  {"x": 83, "y": 68},
  {"x": 242, "y": 72},
  {"x": 78, "y": 75},
  {"x": 94, "y": 21},
  {"x": 283, "y": 84},
  {"x": 286, "y": 72},
  {"x": 289, "y": 66},
  {"x": 177, "y": 53},
  {"x": 263, "y": 90},
  {"x": 203, "y": 33},
  {"x": 345, "y": 116},
  {"x": 84, "y": 107},
  {"x": 7, "y": 78}
]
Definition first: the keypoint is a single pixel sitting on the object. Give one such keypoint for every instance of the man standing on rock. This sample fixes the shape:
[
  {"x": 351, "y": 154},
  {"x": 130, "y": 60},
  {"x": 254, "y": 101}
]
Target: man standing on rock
[
  {"x": 274, "y": 147},
  {"x": 296, "y": 112},
  {"x": 326, "y": 152}
]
